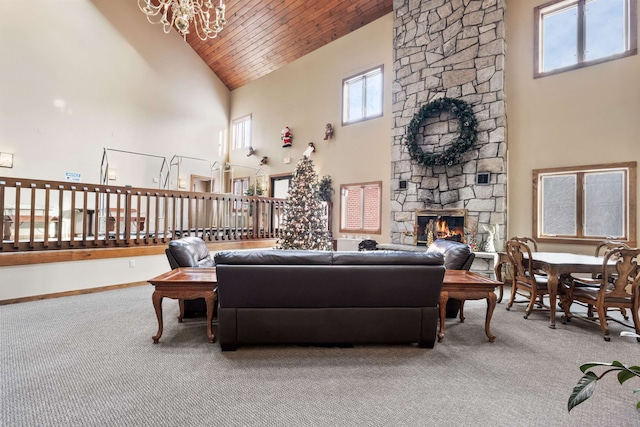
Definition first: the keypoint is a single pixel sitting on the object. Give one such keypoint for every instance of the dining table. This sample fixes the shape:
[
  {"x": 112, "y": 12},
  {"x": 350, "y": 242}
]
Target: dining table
[{"x": 556, "y": 264}]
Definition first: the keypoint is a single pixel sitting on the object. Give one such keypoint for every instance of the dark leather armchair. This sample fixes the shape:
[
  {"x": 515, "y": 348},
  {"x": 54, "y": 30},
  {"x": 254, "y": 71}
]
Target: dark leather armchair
[
  {"x": 190, "y": 251},
  {"x": 457, "y": 256}
]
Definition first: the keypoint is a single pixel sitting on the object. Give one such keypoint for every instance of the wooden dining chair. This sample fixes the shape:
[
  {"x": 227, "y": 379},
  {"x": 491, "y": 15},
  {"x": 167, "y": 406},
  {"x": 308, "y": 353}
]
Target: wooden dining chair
[
  {"x": 524, "y": 277},
  {"x": 601, "y": 249},
  {"x": 619, "y": 289}
]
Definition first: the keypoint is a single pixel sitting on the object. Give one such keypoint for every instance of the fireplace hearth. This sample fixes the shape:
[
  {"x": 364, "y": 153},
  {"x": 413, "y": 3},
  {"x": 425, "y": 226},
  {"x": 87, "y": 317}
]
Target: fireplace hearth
[{"x": 432, "y": 224}]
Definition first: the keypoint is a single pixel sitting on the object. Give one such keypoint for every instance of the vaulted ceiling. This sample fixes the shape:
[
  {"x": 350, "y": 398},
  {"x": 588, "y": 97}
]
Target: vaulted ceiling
[{"x": 263, "y": 35}]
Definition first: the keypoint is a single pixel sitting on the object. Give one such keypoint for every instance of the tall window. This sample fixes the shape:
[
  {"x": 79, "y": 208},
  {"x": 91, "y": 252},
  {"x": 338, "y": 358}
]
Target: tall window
[
  {"x": 360, "y": 207},
  {"x": 585, "y": 204},
  {"x": 241, "y": 133},
  {"x": 572, "y": 34},
  {"x": 362, "y": 96}
]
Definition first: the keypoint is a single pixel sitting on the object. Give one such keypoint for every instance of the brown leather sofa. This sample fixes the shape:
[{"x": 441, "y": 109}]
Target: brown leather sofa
[{"x": 322, "y": 297}]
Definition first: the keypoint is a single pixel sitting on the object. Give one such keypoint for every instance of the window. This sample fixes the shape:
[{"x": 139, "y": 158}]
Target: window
[
  {"x": 572, "y": 34},
  {"x": 241, "y": 133},
  {"x": 585, "y": 204},
  {"x": 362, "y": 96},
  {"x": 360, "y": 207}
]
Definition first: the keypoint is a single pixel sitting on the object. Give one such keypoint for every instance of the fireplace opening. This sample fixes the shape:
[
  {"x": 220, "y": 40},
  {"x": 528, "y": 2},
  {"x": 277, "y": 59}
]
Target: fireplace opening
[{"x": 439, "y": 224}]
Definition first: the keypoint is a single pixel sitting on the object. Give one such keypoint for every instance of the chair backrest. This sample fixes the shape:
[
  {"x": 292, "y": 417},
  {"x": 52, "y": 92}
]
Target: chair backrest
[
  {"x": 457, "y": 256},
  {"x": 190, "y": 251},
  {"x": 529, "y": 241},
  {"x": 624, "y": 281},
  {"x": 607, "y": 245},
  {"x": 519, "y": 255}
]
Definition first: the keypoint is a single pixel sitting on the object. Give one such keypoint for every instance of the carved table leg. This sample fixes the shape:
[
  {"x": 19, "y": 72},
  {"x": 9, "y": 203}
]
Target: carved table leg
[
  {"x": 210, "y": 298},
  {"x": 181, "y": 305},
  {"x": 157, "y": 304},
  {"x": 462, "y": 311},
  {"x": 498, "y": 272},
  {"x": 491, "y": 305},
  {"x": 444, "y": 297}
]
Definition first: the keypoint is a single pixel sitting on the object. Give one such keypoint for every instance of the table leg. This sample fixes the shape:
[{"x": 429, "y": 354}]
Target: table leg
[
  {"x": 491, "y": 305},
  {"x": 444, "y": 297},
  {"x": 181, "y": 314},
  {"x": 210, "y": 298},
  {"x": 157, "y": 304},
  {"x": 498, "y": 272},
  {"x": 552, "y": 283}
]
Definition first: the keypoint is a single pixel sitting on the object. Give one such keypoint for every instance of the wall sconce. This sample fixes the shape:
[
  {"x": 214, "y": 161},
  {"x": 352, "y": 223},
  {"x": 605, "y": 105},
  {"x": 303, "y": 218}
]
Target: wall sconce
[
  {"x": 112, "y": 174},
  {"x": 6, "y": 160},
  {"x": 182, "y": 183}
]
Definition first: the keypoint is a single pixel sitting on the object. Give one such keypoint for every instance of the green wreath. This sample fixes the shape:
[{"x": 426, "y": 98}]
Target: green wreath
[{"x": 468, "y": 132}]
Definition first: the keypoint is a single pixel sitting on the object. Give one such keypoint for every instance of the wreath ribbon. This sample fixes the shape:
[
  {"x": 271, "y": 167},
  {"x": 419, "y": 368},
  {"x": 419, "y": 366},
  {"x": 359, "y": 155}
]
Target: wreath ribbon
[{"x": 468, "y": 132}]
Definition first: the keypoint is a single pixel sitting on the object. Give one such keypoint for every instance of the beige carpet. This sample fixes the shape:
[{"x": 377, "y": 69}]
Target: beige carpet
[{"x": 89, "y": 361}]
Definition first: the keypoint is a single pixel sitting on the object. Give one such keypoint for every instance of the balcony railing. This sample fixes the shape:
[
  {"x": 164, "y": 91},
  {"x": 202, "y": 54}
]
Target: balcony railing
[{"x": 51, "y": 215}]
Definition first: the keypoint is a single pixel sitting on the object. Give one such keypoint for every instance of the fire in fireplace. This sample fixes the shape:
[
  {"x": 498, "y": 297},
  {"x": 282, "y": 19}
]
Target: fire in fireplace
[{"x": 435, "y": 224}]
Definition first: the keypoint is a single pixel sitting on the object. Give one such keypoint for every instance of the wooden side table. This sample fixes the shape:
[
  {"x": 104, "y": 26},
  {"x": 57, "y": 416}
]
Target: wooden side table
[
  {"x": 185, "y": 283},
  {"x": 464, "y": 285}
]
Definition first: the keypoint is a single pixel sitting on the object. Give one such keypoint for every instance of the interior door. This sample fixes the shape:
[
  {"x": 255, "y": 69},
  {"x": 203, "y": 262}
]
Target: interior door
[{"x": 201, "y": 211}]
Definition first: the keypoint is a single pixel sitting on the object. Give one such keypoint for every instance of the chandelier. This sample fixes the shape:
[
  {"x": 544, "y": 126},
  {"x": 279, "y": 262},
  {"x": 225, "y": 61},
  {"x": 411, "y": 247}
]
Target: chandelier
[{"x": 182, "y": 13}]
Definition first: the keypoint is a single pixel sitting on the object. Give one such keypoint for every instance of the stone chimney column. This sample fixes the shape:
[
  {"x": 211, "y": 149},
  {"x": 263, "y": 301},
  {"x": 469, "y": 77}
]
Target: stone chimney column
[{"x": 452, "y": 48}]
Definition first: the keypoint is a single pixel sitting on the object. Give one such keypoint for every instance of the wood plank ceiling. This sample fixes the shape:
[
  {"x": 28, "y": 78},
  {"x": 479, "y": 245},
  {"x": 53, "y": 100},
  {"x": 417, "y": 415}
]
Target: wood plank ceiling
[{"x": 263, "y": 35}]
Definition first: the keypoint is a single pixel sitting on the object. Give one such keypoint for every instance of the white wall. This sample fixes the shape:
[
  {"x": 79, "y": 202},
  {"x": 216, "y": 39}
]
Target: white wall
[
  {"x": 306, "y": 95},
  {"x": 581, "y": 117},
  {"x": 78, "y": 76}
]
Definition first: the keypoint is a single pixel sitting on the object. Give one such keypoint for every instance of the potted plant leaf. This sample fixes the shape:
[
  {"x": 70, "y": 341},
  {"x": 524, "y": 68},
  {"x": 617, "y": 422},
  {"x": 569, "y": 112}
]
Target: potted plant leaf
[{"x": 587, "y": 384}]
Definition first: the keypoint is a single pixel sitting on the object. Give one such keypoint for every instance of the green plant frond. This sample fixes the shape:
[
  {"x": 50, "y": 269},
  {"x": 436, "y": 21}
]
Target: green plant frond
[
  {"x": 626, "y": 374},
  {"x": 586, "y": 366},
  {"x": 583, "y": 390}
]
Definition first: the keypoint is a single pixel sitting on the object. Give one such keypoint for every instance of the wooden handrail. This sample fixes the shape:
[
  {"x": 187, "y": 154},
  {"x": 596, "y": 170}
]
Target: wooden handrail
[{"x": 43, "y": 215}]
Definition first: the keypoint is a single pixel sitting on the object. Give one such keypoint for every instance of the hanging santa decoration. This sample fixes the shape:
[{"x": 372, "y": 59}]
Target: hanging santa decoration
[{"x": 286, "y": 137}]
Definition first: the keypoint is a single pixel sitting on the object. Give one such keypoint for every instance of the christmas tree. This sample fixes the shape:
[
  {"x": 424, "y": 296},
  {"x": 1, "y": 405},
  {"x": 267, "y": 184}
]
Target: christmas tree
[{"x": 304, "y": 224}]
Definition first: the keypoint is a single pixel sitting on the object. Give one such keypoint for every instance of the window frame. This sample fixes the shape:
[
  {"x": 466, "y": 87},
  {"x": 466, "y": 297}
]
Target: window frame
[
  {"x": 245, "y": 142},
  {"x": 630, "y": 202},
  {"x": 631, "y": 32},
  {"x": 343, "y": 207},
  {"x": 362, "y": 75}
]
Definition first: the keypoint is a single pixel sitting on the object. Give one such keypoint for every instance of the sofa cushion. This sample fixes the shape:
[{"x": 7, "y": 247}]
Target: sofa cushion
[
  {"x": 387, "y": 258},
  {"x": 273, "y": 257}
]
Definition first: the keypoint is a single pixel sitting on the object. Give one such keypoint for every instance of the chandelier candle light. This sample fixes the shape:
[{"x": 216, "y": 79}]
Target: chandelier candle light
[{"x": 182, "y": 13}]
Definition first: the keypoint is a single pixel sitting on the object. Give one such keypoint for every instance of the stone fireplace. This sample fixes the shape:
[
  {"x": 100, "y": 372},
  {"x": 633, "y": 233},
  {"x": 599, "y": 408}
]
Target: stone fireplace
[{"x": 452, "y": 48}]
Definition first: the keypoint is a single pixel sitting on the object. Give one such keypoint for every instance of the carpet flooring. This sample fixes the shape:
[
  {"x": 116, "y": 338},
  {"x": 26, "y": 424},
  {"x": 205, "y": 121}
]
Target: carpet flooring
[{"x": 89, "y": 360}]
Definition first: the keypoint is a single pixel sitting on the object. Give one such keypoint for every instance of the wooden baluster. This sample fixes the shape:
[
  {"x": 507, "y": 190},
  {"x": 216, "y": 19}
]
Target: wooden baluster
[
  {"x": 32, "y": 210},
  {"x": 72, "y": 225},
  {"x": 60, "y": 215},
  {"x": 45, "y": 240}
]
